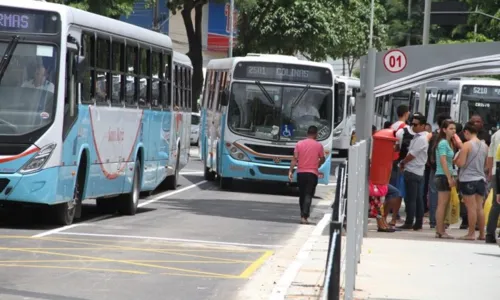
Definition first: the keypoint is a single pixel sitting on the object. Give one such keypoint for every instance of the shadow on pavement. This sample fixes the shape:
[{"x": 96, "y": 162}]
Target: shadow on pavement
[
  {"x": 238, "y": 209},
  {"x": 488, "y": 254},
  {"x": 39, "y": 218},
  {"x": 35, "y": 295}
]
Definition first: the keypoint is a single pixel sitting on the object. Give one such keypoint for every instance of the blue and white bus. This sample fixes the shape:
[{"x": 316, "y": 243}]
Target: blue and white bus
[
  {"x": 344, "y": 118},
  {"x": 254, "y": 111},
  {"x": 90, "y": 107}
]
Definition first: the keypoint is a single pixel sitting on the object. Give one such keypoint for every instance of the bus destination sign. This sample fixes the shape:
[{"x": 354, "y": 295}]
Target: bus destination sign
[
  {"x": 28, "y": 21},
  {"x": 283, "y": 72},
  {"x": 481, "y": 91}
]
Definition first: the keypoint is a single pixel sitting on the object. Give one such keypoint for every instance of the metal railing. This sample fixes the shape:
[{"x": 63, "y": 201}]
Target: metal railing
[{"x": 349, "y": 204}]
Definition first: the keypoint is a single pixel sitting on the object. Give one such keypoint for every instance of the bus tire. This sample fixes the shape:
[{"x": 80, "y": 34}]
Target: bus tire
[
  {"x": 171, "y": 183},
  {"x": 66, "y": 212},
  {"x": 207, "y": 174},
  {"x": 225, "y": 183},
  {"x": 128, "y": 202}
]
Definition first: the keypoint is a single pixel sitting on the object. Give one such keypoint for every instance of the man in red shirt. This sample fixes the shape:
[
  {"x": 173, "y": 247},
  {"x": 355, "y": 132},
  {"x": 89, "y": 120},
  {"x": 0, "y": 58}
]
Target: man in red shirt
[{"x": 310, "y": 156}]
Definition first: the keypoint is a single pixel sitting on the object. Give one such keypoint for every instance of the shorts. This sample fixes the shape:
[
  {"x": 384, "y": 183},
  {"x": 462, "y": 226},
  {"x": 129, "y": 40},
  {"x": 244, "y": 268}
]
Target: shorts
[
  {"x": 470, "y": 188},
  {"x": 395, "y": 173},
  {"x": 441, "y": 183},
  {"x": 392, "y": 192}
]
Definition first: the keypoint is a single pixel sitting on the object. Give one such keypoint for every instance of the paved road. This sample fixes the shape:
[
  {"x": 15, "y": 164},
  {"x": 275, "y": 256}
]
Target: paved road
[{"x": 193, "y": 243}]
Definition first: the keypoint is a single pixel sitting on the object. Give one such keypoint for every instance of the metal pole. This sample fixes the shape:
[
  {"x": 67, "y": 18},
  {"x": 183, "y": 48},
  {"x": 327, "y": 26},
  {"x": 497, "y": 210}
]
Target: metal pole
[
  {"x": 408, "y": 38},
  {"x": 425, "y": 41},
  {"x": 231, "y": 28}
]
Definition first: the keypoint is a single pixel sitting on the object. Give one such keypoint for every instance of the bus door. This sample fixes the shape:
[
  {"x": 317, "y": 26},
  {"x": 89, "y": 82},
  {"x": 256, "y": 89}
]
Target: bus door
[{"x": 339, "y": 111}]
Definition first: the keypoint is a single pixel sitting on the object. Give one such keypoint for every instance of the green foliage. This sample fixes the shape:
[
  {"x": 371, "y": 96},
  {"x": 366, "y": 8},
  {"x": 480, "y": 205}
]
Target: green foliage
[
  {"x": 108, "y": 8},
  {"x": 287, "y": 27},
  {"x": 352, "y": 29}
]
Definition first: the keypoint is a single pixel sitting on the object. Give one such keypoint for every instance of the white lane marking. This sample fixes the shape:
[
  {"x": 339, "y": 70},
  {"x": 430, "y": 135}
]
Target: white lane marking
[
  {"x": 99, "y": 218},
  {"x": 169, "y": 239},
  {"x": 286, "y": 280},
  {"x": 191, "y": 173},
  {"x": 168, "y": 194}
]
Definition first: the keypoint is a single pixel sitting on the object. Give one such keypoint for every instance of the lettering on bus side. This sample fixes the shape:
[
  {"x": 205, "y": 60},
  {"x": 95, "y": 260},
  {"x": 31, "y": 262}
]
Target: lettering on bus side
[{"x": 116, "y": 135}]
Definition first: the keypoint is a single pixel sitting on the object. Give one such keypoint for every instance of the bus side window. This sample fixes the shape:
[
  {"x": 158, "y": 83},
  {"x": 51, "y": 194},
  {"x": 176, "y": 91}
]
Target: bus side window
[
  {"x": 212, "y": 96},
  {"x": 144, "y": 77},
  {"x": 88, "y": 85},
  {"x": 167, "y": 60},
  {"x": 102, "y": 68},
  {"x": 189, "y": 89},
  {"x": 157, "y": 78},
  {"x": 204, "y": 96},
  {"x": 118, "y": 72},
  {"x": 222, "y": 87},
  {"x": 131, "y": 64},
  {"x": 176, "y": 88}
]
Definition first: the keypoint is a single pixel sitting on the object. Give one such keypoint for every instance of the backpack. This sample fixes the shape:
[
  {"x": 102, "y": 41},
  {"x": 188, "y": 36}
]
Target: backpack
[
  {"x": 396, "y": 153},
  {"x": 405, "y": 143},
  {"x": 431, "y": 152}
]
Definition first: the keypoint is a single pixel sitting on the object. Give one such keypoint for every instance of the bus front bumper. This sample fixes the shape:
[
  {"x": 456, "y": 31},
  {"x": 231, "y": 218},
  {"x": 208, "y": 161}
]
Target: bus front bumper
[
  {"x": 233, "y": 168},
  {"x": 36, "y": 188}
]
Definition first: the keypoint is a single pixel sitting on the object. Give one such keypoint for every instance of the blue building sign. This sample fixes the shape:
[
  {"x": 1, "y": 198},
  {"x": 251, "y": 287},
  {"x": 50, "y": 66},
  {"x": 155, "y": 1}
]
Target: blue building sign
[{"x": 143, "y": 17}]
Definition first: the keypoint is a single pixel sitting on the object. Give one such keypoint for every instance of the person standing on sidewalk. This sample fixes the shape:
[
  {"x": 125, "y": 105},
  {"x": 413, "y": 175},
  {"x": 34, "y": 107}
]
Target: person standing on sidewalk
[
  {"x": 493, "y": 162},
  {"x": 413, "y": 166},
  {"x": 472, "y": 179},
  {"x": 310, "y": 156}
]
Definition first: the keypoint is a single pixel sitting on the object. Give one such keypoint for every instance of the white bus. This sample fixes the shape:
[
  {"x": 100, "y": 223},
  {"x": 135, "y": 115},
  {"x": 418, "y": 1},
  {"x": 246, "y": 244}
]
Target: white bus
[
  {"x": 344, "y": 118},
  {"x": 90, "y": 107},
  {"x": 386, "y": 106},
  {"x": 255, "y": 109},
  {"x": 463, "y": 97}
]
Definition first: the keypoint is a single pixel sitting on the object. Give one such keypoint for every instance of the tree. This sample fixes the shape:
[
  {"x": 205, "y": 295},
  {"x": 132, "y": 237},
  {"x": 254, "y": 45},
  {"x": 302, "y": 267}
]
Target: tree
[
  {"x": 194, "y": 35},
  {"x": 109, "y": 8},
  {"x": 287, "y": 27},
  {"x": 352, "y": 28}
]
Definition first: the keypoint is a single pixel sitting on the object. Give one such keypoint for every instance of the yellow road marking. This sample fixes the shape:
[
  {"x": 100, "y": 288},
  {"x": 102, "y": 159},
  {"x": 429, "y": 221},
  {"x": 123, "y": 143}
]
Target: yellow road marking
[
  {"x": 256, "y": 264},
  {"x": 166, "y": 243},
  {"x": 123, "y": 262},
  {"x": 142, "y": 250},
  {"x": 191, "y": 275},
  {"x": 134, "y": 260},
  {"x": 74, "y": 268}
]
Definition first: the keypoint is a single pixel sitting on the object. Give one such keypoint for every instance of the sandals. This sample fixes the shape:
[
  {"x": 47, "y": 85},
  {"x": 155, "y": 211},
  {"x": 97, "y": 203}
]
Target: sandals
[
  {"x": 444, "y": 236},
  {"x": 467, "y": 238}
]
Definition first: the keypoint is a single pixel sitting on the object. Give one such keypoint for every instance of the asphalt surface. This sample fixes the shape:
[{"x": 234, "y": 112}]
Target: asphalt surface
[{"x": 196, "y": 242}]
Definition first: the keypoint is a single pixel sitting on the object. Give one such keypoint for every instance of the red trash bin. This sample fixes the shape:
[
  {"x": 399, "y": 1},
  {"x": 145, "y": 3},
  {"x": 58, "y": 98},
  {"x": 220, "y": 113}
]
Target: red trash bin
[{"x": 382, "y": 156}]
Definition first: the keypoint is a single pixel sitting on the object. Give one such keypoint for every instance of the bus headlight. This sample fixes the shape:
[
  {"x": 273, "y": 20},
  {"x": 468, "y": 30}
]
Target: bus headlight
[
  {"x": 39, "y": 160},
  {"x": 236, "y": 153},
  {"x": 337, "y": 132}
]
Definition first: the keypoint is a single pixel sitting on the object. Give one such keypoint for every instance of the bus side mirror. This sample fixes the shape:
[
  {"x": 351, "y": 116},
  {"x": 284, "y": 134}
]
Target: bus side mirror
[
  {"x": 80, "y": 68},
  {"x": 224, "y": 99},
  {"x": 352, "y": 101}
]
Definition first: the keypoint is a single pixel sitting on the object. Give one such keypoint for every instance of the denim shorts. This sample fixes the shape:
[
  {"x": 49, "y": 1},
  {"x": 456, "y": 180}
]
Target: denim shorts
[
  {"x": 441, "y": 183},
  {"x": 470, "y": 188},
  {"x": 392, "y": 192}
]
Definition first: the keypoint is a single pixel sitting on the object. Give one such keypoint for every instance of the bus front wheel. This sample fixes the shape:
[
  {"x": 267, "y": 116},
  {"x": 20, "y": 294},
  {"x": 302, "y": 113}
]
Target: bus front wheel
[
  {"x": 128, "y": 202},
  {"x": 66, "y": 212}
]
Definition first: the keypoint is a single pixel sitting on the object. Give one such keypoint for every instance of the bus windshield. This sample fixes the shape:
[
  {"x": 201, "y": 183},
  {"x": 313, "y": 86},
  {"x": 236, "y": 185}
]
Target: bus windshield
[
  {"x": 27, "y": 88},
  {"x": 273, "y": 112}
]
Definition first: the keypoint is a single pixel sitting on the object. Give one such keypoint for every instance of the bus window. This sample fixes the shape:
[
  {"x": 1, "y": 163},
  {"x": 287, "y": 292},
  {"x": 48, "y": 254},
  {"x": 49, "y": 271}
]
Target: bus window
[
  {"x": 117, "y": 72},
  {"x": 130, "y": 90},
  {"x": 340, "y": 99}
]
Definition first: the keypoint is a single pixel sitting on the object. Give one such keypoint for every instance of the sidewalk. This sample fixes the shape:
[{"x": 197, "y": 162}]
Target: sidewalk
[{"x": 415, "y": 265}]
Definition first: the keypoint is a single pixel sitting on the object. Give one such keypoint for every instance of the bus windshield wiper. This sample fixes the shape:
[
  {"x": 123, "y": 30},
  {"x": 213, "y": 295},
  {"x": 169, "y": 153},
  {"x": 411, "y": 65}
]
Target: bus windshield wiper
[
  {"x": 299, "y": 98},
  {"x": 7, "y": 56},
  {"x": 269, "y": 98}
]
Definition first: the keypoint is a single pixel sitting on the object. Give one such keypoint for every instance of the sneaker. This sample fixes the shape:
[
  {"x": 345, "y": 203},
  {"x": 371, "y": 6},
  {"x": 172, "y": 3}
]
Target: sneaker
[{"x": 405, "y": 227}]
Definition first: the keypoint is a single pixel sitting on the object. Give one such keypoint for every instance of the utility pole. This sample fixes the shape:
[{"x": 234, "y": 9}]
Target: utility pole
[
  {"x": 156, "y": 12},
  {"x": 425, "y": 41},
  {"x": 408, "y": 38},
  {"x": 231, "y": 28}
]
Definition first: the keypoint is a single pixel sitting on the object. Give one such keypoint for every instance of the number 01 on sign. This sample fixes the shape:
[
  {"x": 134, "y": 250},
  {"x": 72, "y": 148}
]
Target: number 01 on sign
[{"x": 395, "y": 61}]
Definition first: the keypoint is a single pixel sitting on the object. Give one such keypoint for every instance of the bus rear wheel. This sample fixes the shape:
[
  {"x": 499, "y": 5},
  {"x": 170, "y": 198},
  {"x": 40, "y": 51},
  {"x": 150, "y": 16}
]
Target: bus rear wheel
[{"x": 171, "y": 183}]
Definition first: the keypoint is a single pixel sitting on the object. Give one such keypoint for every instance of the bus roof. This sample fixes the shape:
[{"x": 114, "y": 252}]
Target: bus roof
[
  {"x": 182, "y": 59},
  {"x": 455, "y": 83},
  {"x": 83, "y": 18},
  {"x": 229, "y": 63}
]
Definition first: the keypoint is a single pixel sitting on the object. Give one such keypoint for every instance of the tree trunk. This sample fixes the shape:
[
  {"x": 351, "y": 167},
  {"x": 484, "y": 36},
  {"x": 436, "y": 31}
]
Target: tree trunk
[
  {"x": 195, "y": 51},
  {"x": 343, "y": 66}
]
